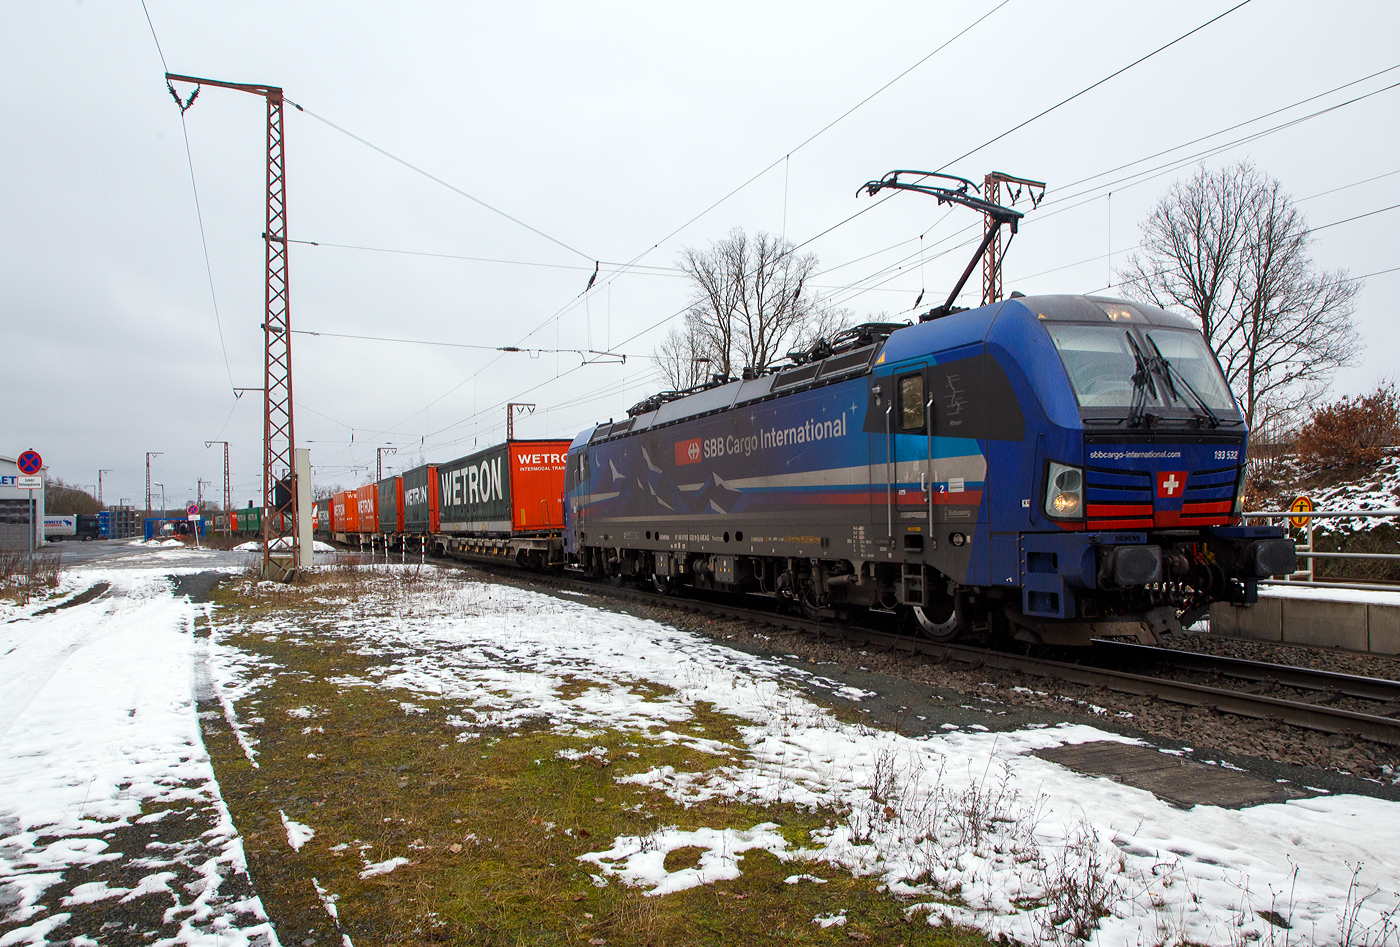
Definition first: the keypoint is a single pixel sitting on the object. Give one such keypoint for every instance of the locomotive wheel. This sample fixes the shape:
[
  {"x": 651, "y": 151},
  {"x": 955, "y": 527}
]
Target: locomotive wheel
[
  {"x": 662, "y": 584},
  {"x": 938, "y": 623}
]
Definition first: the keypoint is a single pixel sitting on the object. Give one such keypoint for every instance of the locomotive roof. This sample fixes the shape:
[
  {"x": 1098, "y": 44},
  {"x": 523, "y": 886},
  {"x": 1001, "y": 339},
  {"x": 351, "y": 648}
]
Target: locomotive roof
[
  {"x": 951, "y": 331},
  {"x": 974, "y": 325},
  {"x": 1100, "y": 309}
]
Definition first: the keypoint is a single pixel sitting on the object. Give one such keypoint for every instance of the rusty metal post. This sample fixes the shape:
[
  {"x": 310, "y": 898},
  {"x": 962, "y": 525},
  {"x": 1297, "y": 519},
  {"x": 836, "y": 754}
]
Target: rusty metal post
[
  {"x": 228, "y": 494},
  {"x": 510, "y": 417},
  {"x": 279, "y": 437},
  {"x": 991, "y": 260}
]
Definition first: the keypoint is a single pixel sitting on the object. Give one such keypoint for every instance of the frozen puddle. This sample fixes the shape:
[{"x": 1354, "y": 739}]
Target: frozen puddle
[
  {"x": 111, "y": 824},
  {"x": 969, "y": 826}
]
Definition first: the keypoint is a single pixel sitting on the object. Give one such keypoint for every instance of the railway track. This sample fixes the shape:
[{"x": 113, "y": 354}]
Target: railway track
[{"x": 1380, "y": 728}]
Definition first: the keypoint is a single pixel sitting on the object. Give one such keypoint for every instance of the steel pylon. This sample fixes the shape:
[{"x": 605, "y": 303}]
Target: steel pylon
[{"x": 279, "y": 437}]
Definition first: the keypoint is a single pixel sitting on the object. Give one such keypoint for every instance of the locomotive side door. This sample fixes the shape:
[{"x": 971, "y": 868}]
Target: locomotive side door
[{"x": 901, "y": 458}]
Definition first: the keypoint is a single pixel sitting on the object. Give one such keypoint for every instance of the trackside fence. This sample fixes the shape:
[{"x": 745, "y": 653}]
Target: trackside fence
[{"x": 1307, "y": 552}]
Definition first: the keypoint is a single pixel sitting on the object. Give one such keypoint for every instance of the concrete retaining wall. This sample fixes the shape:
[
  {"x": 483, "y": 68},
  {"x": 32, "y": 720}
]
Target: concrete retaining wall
[{"x": 1355, "y": 626}]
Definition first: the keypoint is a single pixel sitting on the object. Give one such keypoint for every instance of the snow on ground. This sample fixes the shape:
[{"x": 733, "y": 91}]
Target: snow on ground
[
  {"x": 1372, "y": 596},
  {"x": 967, "y": 823},
  {"x": 316, "y": 546},
  {"x": 111, "y": 822}
]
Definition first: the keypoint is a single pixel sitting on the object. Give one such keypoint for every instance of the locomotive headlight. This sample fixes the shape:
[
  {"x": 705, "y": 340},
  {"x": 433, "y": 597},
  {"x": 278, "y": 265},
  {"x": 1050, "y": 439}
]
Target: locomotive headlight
[{"x": 1064, "y": 492}]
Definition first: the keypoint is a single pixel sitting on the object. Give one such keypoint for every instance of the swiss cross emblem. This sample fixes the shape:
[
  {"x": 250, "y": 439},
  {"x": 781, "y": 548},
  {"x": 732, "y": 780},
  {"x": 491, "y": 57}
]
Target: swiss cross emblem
[{"x": 1171, "y": 483}]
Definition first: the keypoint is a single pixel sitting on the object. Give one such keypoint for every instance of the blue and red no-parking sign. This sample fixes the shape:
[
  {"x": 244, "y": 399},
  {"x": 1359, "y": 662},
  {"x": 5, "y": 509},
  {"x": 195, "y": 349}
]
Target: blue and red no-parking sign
[{"x": 30, "y": 463}]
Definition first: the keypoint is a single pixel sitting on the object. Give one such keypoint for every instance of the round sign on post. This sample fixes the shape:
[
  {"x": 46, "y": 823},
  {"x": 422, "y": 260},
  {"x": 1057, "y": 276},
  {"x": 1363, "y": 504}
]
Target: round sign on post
[
  {"x": 192, "y": 509},
  {"x": 30, "y": 462},
  {"x": 1300, "y": 505}
]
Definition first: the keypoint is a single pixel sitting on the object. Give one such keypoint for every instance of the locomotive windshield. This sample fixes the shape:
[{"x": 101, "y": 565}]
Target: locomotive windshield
[{"x": 1102, "y": 360}]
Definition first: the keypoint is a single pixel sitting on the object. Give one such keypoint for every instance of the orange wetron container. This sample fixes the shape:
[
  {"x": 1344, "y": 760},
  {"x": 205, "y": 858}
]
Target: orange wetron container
[
  {"x": 537, "y": 484},
  {"x": 368, "y": 507}
]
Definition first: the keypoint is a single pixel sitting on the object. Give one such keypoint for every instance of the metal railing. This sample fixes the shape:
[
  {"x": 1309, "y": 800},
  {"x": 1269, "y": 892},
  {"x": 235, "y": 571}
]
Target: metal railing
[{"x": 1306, "y": 551}]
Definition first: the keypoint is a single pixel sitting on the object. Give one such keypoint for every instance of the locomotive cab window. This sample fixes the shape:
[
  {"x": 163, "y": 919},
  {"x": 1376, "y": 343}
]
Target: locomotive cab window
[{"x": 911, "y": 403}]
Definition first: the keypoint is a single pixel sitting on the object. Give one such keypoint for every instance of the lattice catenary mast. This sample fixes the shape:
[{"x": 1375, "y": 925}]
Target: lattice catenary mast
[{"x": 281, "y": 537}]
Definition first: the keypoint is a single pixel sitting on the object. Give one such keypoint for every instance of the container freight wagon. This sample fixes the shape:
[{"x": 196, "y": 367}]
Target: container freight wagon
[
  {"x": 323, "y": 518},
  {"x": 345, "y": 516},
  {"x": 504, "y": 503},
  {"x": 420, "y": 502},
  {"x": 247, "y": 520},
  {"x": 367, "y": 504},
  {"x": 390, "y": 499}
]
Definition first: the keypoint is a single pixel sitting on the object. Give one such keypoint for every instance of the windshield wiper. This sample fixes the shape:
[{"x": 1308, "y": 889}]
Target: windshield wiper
[
  {"x": 1172, "y": 376},
  {"x": 1142, "y": 384}
]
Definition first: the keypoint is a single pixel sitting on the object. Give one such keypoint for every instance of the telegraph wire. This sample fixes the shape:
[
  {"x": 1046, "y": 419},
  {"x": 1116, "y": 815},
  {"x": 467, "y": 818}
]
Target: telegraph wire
[
  {"x": 661, "y": 270},
  {"x": 437, "y": 180},
  {"x": 1346, "y": 186},
  {"x": 1348, "y": 220},
  {"x": 198, "y": 212},
  {"x": 787, "y": 156},
  {"x": 533, "y": 353},
  {"x": 1178, "y": 163},
  {"x": 552, "y": 318},
  {"x": 1095, "y": 85},
  {"x": 159, "y": 51},
  {"x": 1238, "y": 125}
]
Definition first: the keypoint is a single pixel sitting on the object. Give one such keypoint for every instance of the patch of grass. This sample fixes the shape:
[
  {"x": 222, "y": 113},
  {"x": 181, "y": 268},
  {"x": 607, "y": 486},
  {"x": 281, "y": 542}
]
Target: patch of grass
[
  {"x": 493, "y": 825},
  {"x": 22, "y": 580}
]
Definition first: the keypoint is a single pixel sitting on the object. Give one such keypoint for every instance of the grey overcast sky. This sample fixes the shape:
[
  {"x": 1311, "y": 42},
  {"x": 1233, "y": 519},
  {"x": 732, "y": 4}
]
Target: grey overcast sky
[{"x": 606, "y": 127}]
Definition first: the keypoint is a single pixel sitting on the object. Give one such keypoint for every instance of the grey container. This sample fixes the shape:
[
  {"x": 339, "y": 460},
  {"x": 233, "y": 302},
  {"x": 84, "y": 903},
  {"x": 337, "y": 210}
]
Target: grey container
[
  {"x": 389, "y": 505},
  {"x": 420, "y": 500},
  {"x": 474, "y": 492}
]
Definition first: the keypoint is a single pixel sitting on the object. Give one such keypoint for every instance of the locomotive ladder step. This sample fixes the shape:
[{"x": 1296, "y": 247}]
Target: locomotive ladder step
[{"x": 912, "y": 580}]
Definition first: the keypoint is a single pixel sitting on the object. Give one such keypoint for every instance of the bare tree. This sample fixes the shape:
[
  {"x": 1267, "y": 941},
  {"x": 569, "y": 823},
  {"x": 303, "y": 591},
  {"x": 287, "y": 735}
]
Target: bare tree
[
  {"x": 60, "y": 497},
  {"x": 1230, "y": 249},
  {"x": 748, "y": 307},
  {"x": 680, "y": 357}
]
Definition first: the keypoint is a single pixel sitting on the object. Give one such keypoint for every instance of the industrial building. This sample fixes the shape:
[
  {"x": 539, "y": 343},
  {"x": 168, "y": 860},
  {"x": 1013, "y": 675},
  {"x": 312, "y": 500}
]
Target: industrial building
[{"x": 16, "y": 522}]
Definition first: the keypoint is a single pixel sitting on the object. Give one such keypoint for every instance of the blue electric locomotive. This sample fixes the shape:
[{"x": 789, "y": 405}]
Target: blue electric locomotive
[{"x": 1047, "y": 468}]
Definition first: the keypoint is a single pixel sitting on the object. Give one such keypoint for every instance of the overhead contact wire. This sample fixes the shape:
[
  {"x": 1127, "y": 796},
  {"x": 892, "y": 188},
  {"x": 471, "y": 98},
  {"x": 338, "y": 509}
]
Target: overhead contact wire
[
  {"x": 437, "y": 180},
  {"x": 1090, "y": 88},
  {"x": 199, "y": 215}
]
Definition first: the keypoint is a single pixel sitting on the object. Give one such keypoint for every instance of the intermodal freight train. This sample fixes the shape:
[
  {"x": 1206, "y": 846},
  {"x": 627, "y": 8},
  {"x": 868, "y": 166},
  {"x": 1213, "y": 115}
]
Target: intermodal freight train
[
  {"x": 504, "y": 503},
  {"x": 1049, "y": 469}
]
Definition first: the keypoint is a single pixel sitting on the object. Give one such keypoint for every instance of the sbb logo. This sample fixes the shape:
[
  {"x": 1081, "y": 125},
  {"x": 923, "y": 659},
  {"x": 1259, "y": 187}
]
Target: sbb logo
[{"x": 688, "y": 452}]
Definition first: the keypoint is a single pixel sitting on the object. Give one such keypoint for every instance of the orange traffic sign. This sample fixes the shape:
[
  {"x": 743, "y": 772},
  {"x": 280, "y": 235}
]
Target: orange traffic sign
[{"x": 1300, "y": 505}]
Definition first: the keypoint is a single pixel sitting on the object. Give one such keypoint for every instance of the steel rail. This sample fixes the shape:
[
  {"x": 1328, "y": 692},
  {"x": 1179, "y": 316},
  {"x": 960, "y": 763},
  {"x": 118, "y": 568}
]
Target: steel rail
[
  {"x": 1351, "y": 685},
  {"x": 1255, "y": 706}
]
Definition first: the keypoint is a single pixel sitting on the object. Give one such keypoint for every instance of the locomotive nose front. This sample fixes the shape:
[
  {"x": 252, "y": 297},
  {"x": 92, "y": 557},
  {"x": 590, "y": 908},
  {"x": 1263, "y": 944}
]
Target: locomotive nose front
[{"x": 1161, "y": 482}]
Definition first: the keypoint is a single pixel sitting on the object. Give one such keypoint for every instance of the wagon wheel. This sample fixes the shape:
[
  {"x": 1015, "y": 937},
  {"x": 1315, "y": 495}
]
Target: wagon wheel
[{"x": 937, "y": 622}]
